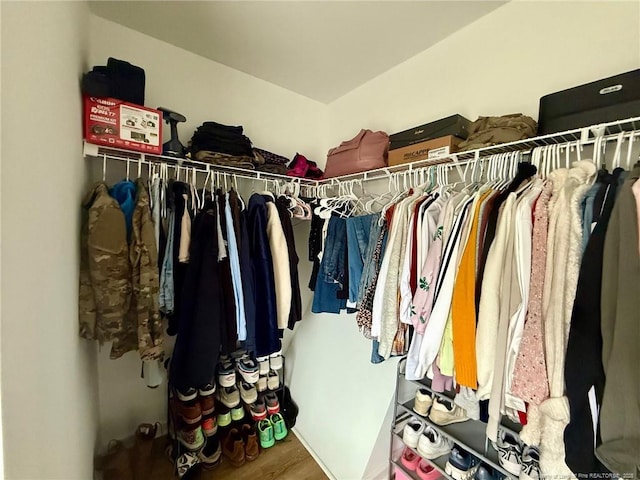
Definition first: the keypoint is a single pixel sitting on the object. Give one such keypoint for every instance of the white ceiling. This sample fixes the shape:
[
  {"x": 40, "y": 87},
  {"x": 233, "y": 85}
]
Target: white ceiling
[{"x": 320, "y": 49}]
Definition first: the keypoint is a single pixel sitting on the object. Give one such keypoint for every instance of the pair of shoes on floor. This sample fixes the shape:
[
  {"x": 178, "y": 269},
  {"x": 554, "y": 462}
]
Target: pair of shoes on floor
[
  {"x": 120, "y": 463},
  {"x": 441, "y": 412},
  {"x": 271, "y": 429},
  {"x": 516, "y": 459},
  {"x": 415, "y": 463},
  {"x": 241, "y": 445},
  {"x": 425, "y": 439}
]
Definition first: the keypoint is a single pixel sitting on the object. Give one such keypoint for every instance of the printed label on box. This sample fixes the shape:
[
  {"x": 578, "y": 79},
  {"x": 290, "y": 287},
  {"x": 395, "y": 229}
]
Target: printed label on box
[
  {"x": 108, "y": 121},
  {"x": 438, "y": 152}
]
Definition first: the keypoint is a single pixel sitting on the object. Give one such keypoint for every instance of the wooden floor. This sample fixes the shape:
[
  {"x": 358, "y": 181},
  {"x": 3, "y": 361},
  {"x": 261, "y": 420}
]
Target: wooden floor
[{"x": 287, "y": 460}]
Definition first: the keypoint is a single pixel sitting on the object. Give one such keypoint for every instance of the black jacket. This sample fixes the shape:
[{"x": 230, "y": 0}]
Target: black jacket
[{"x": 267, "y": 340}]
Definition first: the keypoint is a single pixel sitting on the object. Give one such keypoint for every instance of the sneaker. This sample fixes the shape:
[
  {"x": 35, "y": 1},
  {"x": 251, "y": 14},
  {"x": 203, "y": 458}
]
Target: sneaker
[
  {"x": 208, "y": 389},
  {"x": 530, "y": 464},
  {"x": 423, "y": 401},
  {"x": 273, "y": 406},
  {"x": 229, "y": 396},
  {"x": 509, "y": 452},
  {"x": 248, "y": 392},
  {"x": 412, "y": 431},
  {"x": 426, "y": 471},
  {"x": 233, "y": 448},
  {"x": 263, "y": 365},
  {"x": 485, "y": 472},
  {"x": 237, "y": 413},
  {"x": 273, "y": 380},
  {"x": 461, "y": 464},
  {"x": 250, "y": 438},
  {"x": 258, "y": 410},
  {"x": 190, "y": 412},
  {"x": 261, "y": 386},
  {"x": 265, "y": 430},
  {"x": 226, "y": 373},
  {"x": 224, "y": 417},
  {"x": 445, "y": 413},
  {"x": 187, "y": 395},
  {"x": 275, "y": 360},
  {"x": 409, "y": 459},
  {"x": 209, "y": 426},
  {"x": 211, "y": 454},
  {"x": 207, "y": 404},
  {"x": 433, "y": 445},
  {"x": 398, "y": 474},
  {"x": 248, "y": 369},
  {"x": 279, "y": 427},
  {"x": 191, "y": 439}
]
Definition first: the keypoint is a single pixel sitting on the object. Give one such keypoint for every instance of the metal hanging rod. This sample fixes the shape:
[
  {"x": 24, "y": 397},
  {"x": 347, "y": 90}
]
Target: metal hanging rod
[{"x": 576, "y": 137}]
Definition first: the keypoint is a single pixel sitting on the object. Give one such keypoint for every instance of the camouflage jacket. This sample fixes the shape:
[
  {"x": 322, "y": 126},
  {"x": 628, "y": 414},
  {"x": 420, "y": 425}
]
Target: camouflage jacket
[{"x": 118, "y": 299}]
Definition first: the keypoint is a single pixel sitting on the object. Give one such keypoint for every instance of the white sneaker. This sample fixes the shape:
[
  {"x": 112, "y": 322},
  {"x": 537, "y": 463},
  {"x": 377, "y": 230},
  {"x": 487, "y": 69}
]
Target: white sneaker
[
  {"x": 412, "y": 431},
  {"x": 509, "y": 452},
  {"x": 263, "y": 364},
  {"x": 446, "y": 413},
  {"x": 273, "y": 380},
  {"x": 275, "y": 360},
  {"x": 433, "y": 445},
  {"x": 423, "y": 401},
  {"x": 530, "y": 464}
]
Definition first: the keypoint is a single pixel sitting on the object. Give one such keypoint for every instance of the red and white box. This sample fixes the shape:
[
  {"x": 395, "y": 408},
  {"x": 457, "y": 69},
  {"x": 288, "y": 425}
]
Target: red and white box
[{"x": 116, "y": 123}]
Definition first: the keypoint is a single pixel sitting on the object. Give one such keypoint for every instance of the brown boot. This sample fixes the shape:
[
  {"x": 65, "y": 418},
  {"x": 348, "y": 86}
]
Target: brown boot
[
  {"x": 116, "y": 464},
  {"x": 141, "y": 457},
  {"x": 251, "y": 449},
  {"x": 233, "y": 448}
]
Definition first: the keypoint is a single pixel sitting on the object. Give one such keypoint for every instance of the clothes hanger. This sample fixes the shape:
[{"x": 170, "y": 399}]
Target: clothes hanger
[
  {"x": 617, "y": 156},
  {"x": 629, "y": 150}
]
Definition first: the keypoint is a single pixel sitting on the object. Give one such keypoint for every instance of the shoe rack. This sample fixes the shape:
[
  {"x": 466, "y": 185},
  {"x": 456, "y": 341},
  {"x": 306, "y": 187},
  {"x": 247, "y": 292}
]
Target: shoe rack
[{"x": 469, "y": 435}]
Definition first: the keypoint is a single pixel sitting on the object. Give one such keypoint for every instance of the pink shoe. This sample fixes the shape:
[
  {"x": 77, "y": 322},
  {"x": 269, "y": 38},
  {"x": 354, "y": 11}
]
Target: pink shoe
[
  {"x": 410, "y": 459},
  {"x": 426, "y": 471},
  {"x": 299, "y": 166},
  {"x": 400, "y": 475}
]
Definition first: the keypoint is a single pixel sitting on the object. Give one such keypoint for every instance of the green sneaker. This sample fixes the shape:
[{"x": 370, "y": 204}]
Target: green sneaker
[
  {"x": 224, "y": 418},
  {"x": 266, "y": 433},
  {"x": 237, "y": 413},
  {"x": 279, "y": 427}
]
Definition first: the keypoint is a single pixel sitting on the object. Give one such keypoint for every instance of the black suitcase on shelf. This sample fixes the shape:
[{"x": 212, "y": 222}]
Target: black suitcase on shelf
[
  {"x": 455, "y": 125},
  {"x": 606, "y": 100}
]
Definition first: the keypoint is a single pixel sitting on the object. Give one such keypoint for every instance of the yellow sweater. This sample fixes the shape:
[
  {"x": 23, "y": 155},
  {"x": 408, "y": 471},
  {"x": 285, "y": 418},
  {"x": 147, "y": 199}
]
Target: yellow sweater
[{"x": 463, "y": 308}]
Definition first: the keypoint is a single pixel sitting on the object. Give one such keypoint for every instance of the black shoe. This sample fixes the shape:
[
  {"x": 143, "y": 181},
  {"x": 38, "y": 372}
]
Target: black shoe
[{"x": 288, "y": 408}]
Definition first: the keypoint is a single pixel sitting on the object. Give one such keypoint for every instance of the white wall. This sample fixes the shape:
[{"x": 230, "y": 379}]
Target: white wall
[
  {"x": 274, "y": 118},
  {"x": 502, "y": 63},
  {"x": 49, "y": 401}
]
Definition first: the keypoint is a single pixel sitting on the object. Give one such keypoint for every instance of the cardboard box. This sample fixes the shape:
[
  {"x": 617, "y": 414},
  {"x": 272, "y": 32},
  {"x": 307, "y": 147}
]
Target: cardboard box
[
  {"x": 115, "y": 123},
  {"x": 441, "y": 147}
]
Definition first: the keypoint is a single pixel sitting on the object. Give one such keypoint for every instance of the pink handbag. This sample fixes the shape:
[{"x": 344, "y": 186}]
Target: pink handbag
[{"x": 368, "y": 150}]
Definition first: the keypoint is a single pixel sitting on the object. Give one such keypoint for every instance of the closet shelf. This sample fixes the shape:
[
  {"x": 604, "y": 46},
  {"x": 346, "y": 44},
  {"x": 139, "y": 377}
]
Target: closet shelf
[
  {"x": 579, "y": 136},
  {"x": 470, "y": 435},
  {"x": 505, "y": 424}
]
